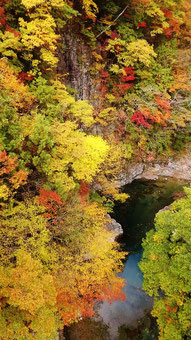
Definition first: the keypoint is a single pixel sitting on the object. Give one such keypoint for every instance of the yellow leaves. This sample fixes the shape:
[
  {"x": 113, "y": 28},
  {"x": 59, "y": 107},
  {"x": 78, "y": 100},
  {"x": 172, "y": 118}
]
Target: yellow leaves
[
  {"x": 111, "y": 98},
  {"x": 97, "y": 56},
  {"x": 61, "y": 95},
  {"x": 39, "y": 32},
  {"x": 107, "y": 115},
  {"x": 48, "y": 57},
  {"x": 98, "y": 66},
  {"x": 93, "y": 154},
  {"x": 107, "y": 21},
  {"x": 77, "y": 156},
  {"x": 182, "y": 80},
  {"x": 142, "y": 142},
  {"x": 98, "y": 214},
  {"x": 24, "y": 226},
  {"x": 9, "y": 43},
  {"x": 111, "y": 169},
  {"x": 90, "y": 9},
  {"x": 10, "y": 180},
  {"x": 24, "y": 285},
  {"x": 82, "y": 111},
  {"x": 30, "y": 296},
  {"x": 32, "y": 3},
  {"x": 180, "y": 302},
  {"x": 4, "y": 192},
  {"x": 130, "y": 54},
  {"x": 115, "y": 69},
  {"x": 121, "y": 197},
  {"x": 140, "y": 51},
  {"x": 185, "y": 32},
  {"x": 19, "y": 93}
]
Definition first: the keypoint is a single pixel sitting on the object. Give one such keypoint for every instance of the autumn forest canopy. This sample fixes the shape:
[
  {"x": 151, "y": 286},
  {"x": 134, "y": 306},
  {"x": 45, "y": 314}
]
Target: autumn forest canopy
[{"x": 86, "y": 88}]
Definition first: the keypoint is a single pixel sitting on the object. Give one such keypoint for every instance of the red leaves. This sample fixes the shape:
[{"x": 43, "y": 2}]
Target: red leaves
[
  {"x": 167, "y": 13},
  {"x": 9, "y": 29},
  {"x": 164, "y": 104},
  {"x": 3, "y": 18},
  {"x": 104, "y": 76},
  {"x": 114, "y": 35},
  {"x": 170, "y": 309},
  {"x": 139, "y": 119},
  {"x": 124, "y": 87},
  {"x": 174, "y": 25},
  {"x": 127, "y": 78},
  {"x": 72, "y": 303},
  {"x": 159, "y": 116},
  {"x": 129, "y": 70},
  {"x": 25, "y": 77},
  {"x": 103, "y": 90},
  {"x": 143, "y": 24},
  {"x": 47, "y": 196},
  {"x": 167, "y": 32},
  {"x": 84, "y": 190},
  {"x": 3, "y": 22},
  {"x": 126, "y": 15},
  {"x": 52, "y": 201}
]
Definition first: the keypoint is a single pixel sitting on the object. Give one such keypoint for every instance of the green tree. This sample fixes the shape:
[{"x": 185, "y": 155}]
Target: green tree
[{"x": 166, "y": 269}]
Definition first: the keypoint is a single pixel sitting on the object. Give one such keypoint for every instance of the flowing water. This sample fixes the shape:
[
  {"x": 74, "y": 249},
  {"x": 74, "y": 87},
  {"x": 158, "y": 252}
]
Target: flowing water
[{"x": 122, "y": 320}]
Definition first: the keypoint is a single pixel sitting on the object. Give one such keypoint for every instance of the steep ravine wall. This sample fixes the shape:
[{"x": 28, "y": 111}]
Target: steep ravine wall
[
  {"x": 177, "y": 167},
  {"x": 75, "y": 62}
]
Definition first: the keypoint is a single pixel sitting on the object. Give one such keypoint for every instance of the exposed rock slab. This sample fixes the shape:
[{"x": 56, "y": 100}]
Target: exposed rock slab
[
  {"x": 114, "y": 227},
  {"x": 165, "y": 208},
  {"x": 132, "y": 172},
  {"x": 179, "y": 167}
]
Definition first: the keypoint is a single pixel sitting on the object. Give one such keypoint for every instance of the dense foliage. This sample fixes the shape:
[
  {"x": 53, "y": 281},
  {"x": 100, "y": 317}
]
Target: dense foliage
[
  {"x": 56, "y": 149},
  {"x": 166, "y": 268}
]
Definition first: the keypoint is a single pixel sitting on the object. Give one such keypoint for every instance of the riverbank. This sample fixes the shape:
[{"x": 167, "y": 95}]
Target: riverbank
[{"x": 136, "y": 216}]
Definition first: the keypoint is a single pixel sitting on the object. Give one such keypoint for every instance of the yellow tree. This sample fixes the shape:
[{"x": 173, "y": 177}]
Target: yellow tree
[
  {"x": 39, "y": 32},
  {"x": 77, "y": 156}
]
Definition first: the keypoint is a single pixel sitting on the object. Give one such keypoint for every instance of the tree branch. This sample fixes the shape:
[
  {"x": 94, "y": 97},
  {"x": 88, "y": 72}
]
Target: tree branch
[{"x": 120, "y": 14}]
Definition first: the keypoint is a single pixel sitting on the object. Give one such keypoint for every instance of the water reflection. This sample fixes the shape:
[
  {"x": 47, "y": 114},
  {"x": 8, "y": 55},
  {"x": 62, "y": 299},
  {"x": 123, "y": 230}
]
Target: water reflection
[{"x": 133, "y": 308}]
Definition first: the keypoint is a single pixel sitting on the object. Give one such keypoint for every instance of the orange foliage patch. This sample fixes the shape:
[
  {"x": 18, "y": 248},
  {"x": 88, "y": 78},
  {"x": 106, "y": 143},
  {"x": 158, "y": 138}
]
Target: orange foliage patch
[
  {"x": 18, "y": 92},
  {"x": 52, "y": 201},
  {"x": 7, "y": 164}
]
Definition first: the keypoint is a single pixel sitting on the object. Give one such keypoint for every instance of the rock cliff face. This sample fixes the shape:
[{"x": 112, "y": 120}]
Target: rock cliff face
[
  {"x": 75, "y": 63},
  {"x": 178, "y": 167},
  {"x": 114, "y": 227}
]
